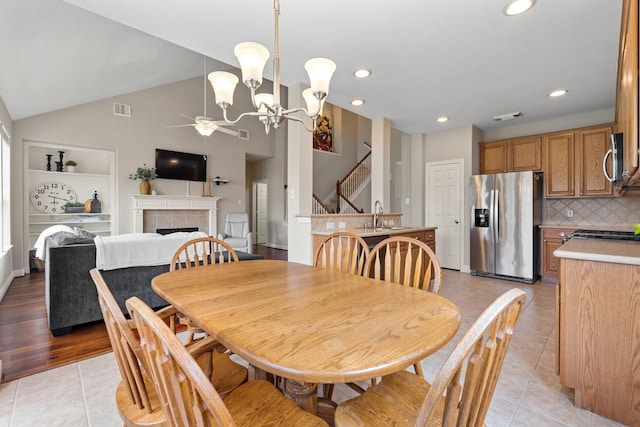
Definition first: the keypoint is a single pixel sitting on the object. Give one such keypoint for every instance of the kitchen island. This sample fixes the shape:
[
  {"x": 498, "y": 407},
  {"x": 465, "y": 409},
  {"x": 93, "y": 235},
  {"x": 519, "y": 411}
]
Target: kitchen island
[
  {"x": 598, "y": 326},
  {"x": 363, "y": 225}
]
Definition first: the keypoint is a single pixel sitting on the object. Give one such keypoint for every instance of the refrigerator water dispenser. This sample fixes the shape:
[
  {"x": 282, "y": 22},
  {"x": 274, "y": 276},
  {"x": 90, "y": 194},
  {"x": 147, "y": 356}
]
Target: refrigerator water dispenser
[{"x": 482, "y": 217}]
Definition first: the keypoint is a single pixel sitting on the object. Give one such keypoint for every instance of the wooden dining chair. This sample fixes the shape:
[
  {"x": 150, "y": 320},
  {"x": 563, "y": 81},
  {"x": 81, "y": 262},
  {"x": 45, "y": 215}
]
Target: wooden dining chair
[
  {"x": 346, "y": 252},
  {"x": 342, "y": 251},
  {"x": 455, "y": 398},
  {"x": 196, "y": 253},
  {"x": 191, "y": 400},
  {"x": 136, "y": 398},
  {"x": 408, "y": 262},
  {"x": 202, "y": 251}
]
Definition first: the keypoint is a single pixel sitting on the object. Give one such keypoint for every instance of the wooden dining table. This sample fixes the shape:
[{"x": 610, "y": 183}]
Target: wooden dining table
[{"x": 310, "y": 325}]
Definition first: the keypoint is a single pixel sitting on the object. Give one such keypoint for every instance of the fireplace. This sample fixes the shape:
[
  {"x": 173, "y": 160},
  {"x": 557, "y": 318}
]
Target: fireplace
[
  {"x": 153, "y": 212},
  {"x": 164, "y": 231}
]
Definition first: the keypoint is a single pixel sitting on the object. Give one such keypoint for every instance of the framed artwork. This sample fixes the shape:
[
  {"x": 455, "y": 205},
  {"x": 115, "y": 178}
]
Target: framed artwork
[{"x": 323, "y": 134}]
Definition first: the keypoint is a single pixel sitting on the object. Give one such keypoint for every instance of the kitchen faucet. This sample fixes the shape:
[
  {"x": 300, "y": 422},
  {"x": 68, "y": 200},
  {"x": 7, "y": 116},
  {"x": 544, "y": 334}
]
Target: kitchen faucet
[{"x": 377, "y": 209}]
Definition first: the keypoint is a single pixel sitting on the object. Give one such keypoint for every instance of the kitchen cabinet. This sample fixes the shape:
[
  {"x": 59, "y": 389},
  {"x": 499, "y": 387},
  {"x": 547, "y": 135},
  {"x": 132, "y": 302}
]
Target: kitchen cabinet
[
  {"x": 551, "y": 240},
  {"x": 573, "y": 162},
  {"x": 598, "y": 332},
  {"x": 627, "y": 90},
  {"x": 514, "y": 155}
]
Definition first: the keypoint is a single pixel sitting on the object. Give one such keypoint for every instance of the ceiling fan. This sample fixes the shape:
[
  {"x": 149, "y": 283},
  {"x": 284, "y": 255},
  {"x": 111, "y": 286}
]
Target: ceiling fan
[{"x": 203, "y": 124}]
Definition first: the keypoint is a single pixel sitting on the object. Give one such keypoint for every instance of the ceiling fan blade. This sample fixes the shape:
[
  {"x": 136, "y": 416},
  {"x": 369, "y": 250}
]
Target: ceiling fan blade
[
  {"x": 222, "y": 123},
  {"x": 187, "y": 117},
  {"x": 227, "y": 131},
  {"x": 179, "y": 126}
]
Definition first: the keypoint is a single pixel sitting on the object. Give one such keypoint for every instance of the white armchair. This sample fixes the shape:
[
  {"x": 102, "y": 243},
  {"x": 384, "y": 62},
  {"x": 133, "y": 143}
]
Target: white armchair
[{"x": 236, "y": 232}]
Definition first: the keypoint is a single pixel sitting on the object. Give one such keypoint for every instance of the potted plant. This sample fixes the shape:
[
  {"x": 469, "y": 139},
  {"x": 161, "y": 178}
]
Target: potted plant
[
  {"x": 70, "y": 166},
  {"x": 144, "y": 174},
  {"x": 73, "y": 207}
]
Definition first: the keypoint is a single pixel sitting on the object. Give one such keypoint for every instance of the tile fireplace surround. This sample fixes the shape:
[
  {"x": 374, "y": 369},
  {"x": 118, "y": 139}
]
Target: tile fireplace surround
[{"x": 152, "y": 212}]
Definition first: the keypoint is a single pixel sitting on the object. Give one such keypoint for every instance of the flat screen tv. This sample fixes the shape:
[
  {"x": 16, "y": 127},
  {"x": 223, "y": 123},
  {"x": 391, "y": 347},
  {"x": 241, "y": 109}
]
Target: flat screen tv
[{"x": 184, "y": 166}]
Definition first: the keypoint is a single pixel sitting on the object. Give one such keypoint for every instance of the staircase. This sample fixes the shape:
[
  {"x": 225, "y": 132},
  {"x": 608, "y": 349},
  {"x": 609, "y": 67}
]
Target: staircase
[{"x": 347, "y": 189}]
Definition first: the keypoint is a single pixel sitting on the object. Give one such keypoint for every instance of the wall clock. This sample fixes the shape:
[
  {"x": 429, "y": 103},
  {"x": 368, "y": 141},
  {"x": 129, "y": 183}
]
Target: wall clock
[{"x": 50, "y": 197}]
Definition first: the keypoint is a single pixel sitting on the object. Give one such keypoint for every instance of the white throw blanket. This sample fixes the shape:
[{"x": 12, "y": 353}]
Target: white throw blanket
[
  {"x": 39, "y": 245},
  {"x": 139, "y": 249}
]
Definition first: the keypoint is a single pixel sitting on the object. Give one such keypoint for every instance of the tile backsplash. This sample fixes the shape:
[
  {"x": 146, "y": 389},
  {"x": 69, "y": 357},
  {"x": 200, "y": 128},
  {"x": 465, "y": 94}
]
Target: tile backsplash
[{"x": 599, "y": 211}]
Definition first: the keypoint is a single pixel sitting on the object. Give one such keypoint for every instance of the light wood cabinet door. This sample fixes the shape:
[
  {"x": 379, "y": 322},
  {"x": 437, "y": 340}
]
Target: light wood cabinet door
[
  {"x": 559, "y": 165},
  {"x": 518, "y": 155},
  {"x": 493, "y": 157},
  {"x": 551, "y": 240},
  {"x": 525, "y": 154},
  {"x": 591, "y": 148}
]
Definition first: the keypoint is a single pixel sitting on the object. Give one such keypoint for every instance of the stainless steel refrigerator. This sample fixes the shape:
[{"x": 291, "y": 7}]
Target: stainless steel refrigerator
[{"x": 506, "y": 210}]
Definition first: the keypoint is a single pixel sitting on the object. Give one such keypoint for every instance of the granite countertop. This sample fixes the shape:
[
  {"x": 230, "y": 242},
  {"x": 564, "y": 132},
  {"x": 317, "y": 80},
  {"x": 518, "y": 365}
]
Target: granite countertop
[
  {"x": 370, "y": 232},
  {"x": 590, "y": 227},
  {"x": 602, "y": 250}
]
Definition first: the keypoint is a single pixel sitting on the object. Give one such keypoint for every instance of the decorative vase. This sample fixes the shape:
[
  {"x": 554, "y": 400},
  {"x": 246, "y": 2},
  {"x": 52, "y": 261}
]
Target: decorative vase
[
  {"x": 145, "y": 187},
  {"x": 71, "y": 168}
]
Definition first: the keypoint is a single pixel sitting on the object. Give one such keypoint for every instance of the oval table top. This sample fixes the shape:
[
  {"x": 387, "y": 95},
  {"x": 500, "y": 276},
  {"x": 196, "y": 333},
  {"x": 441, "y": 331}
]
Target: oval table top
[{"x": 309, "y": 324}]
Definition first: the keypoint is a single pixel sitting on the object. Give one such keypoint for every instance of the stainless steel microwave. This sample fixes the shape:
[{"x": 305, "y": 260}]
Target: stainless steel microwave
[{"x": 616, "y": 152}]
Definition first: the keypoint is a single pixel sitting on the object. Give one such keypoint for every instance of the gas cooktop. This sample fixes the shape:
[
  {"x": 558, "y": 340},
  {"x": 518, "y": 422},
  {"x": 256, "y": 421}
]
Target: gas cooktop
[{"x": 605, "y": 234}]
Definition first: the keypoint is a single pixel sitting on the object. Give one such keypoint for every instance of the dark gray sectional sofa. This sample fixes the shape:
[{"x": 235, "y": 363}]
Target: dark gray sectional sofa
[{"x": 70, "y": 293}]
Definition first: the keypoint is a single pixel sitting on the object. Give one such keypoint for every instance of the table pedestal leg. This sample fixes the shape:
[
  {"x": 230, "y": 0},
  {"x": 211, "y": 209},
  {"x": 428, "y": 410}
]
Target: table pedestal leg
[{"x": 304, "y": 394}]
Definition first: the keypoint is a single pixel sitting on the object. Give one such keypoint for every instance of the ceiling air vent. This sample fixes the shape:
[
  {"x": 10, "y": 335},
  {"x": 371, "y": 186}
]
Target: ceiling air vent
[
  {"x": 123, "y": 110},
  {"x": 244, "y": 134},
  {"x": 508, "y": 116}
]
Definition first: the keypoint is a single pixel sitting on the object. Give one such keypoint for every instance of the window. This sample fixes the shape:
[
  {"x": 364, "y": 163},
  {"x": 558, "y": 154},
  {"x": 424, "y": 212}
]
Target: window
[{"x": 5, "y": 186}]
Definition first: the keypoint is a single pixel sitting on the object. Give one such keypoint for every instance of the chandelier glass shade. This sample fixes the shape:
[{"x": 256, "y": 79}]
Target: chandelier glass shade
[{"x": 253, "y": 58}]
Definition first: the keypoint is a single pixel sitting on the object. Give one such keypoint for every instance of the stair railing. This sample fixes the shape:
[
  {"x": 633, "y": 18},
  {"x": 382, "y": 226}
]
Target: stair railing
[
  {"x": 348, "y": 185},
  {"x": 318, "y": 206},
  {"x": 347, "y": 207}
]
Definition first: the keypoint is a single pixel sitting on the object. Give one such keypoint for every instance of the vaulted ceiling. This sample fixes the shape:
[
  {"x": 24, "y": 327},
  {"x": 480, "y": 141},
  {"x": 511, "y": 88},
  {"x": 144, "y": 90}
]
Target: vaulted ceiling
[{"x": 458, "y": 58}]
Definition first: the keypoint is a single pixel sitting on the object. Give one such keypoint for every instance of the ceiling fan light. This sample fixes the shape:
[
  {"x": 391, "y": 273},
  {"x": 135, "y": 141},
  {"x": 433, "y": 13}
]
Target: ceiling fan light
[
  {"x": 204, "y": 129},
  {"x": 252, "y": 57},
  {"x": 313, "y": 104},
  {"x": 320, "y": 71},
  {"x": 224, "y": 84}
]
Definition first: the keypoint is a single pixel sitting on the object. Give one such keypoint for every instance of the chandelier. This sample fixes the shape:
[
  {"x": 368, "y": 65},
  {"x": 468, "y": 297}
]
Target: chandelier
[{"x": 252, "y": 58}]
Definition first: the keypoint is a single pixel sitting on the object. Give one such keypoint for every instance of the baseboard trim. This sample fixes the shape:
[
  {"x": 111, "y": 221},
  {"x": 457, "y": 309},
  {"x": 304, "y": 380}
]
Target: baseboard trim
[
  {"x": 5, "y": 286},
  {"x": 277, "y": 246}
]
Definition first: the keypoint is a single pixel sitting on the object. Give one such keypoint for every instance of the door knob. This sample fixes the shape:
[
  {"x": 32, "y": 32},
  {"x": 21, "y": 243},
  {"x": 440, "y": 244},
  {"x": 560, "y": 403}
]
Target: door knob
[{"x": 456, "y": 221}]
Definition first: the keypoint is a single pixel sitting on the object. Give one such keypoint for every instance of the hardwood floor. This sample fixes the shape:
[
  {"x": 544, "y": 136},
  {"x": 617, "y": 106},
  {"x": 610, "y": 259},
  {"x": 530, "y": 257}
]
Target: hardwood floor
[{"x": 26, "y": 344}]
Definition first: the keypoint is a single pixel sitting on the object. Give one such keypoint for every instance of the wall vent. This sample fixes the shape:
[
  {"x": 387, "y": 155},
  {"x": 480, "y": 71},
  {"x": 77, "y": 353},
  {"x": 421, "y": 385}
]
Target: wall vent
[
  {"x": 123, "y": 110},
  {"x": 508, "y": 116},
  {"x": 244, "y": 134}
]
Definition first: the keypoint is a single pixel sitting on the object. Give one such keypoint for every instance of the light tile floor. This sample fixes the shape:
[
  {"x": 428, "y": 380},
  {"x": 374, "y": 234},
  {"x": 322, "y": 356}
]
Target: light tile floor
[{"x": 528, "y": 393}]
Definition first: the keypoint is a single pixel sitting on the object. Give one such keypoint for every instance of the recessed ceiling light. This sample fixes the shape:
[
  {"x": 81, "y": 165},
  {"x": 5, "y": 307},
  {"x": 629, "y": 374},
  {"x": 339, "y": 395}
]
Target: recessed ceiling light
[
  {"x": 516, "y": 7},
  {"x": 558, "y": 92},
  {"x": 356, "y": 102},
  {"x": 442, "y": 119},
  {"x": 362, "y": 73}
]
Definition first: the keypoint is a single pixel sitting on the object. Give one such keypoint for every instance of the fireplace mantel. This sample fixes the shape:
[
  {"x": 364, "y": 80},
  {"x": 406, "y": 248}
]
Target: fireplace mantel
[{"x": 143, "y": 202}]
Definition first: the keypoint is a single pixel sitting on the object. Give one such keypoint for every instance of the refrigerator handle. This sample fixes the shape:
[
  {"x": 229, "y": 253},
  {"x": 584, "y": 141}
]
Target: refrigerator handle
[{"x": 495, "y": 216}]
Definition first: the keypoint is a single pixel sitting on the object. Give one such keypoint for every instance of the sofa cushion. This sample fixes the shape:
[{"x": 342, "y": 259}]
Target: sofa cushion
[{"x": 65, "y": 238}]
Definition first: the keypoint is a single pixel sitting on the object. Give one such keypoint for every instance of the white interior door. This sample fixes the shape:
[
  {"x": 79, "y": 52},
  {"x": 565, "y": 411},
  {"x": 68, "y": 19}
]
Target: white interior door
[
  {"x": 444, "y": 209},
  {"x": 261, "y": 213}
]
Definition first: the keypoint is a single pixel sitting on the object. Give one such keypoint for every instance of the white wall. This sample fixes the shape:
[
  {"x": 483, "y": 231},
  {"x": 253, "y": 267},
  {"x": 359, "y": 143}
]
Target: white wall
[
  {"x": 135, "y": 139},
  {"x": 606, "y": 115},
  {"x": 6, "y": 264}
]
